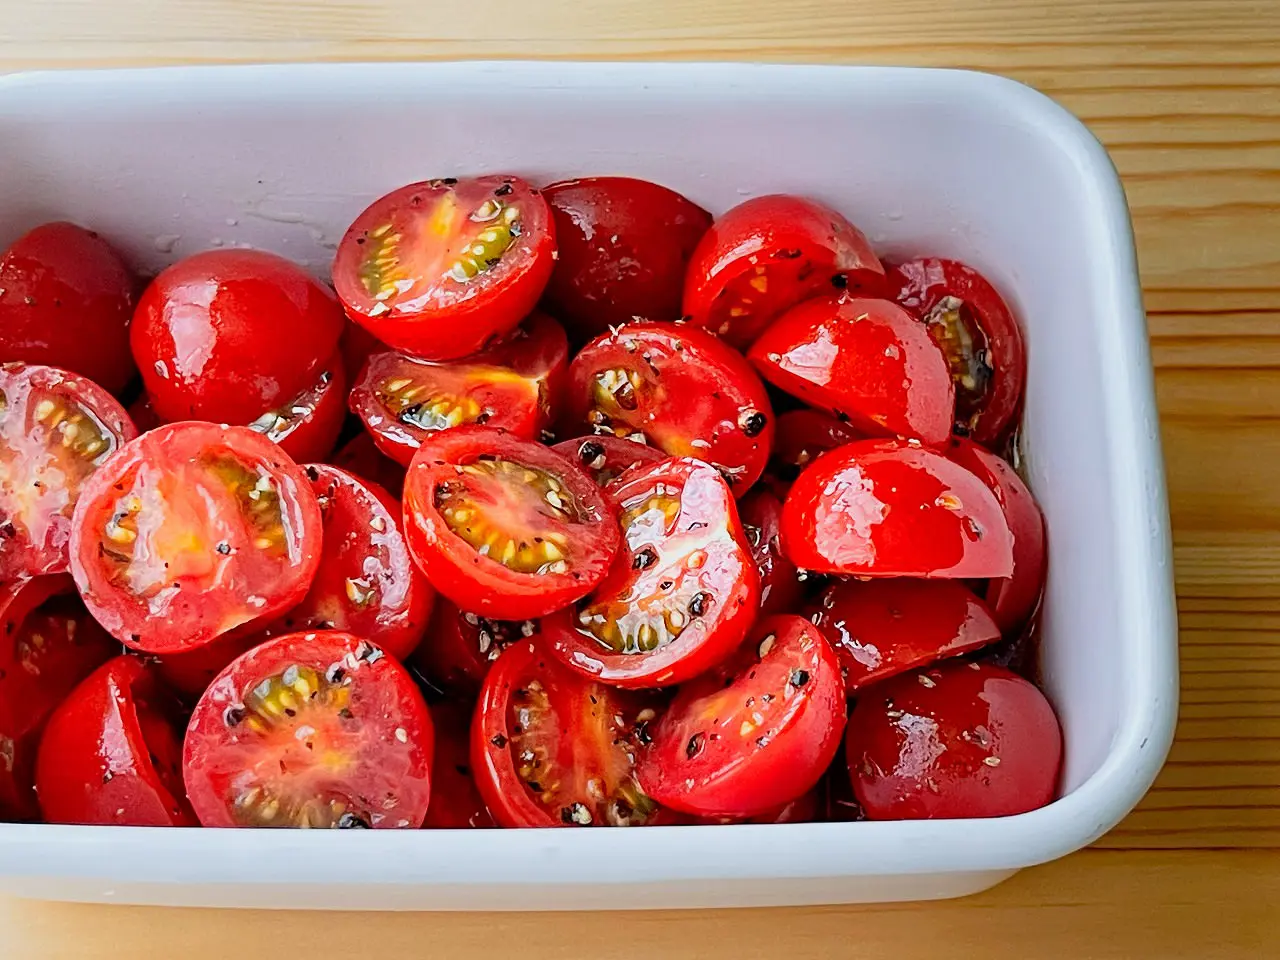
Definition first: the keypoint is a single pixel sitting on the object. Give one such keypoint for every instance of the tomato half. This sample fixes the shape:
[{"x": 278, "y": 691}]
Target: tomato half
[
  {"x": 112, "y": 753},
  {"x": 362, "y": 457},
  {"x": 622, "y": 247},
  {"x": 65, "y": 301},
  {"x": 606, "y": 457},
  {"x": 310, "y": 730},
  {"x": 886, "y": 508},
  {"x": 504, "y": 527},
  {"x": 753, "y": 733},
  {"x": 56, "y": 429},
  {"x": 803, "y": 434},
  {"x": 766, "y": 255},
  {"x": 439, "y": 268},
  {"x": 455, "y": 801},
  {"x": 307, "y": 425},
  {"x": 678, "y": 389},
  {"x": 682, "y": 592},
  {"x": 191, "y": 531},
  {"x": 780, "y": 588},
  {"x": 460, "y": 647},
  {"x": 957, "y": 739}
]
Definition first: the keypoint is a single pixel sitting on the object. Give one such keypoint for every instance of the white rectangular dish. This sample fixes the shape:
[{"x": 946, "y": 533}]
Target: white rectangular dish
[{"x": 169, "y": 162}]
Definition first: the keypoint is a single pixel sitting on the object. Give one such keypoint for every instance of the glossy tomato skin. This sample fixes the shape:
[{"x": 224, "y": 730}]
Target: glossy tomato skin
[
  {"x": 867, "y": 360},
  {"x": 754, "y": 733},
  {"x": 227, "y": 335},
  {"x": 66, "y": 298},
  {"x": 361, "y": 456},
  {"x": 802, "y": 435},
  {"x": 957, "y": 739},
  {"x": 606, "y": 456},
  {"x": 407, "y": 269},
  {"x": 676, "y": 388},
  {"x": 307, "y": 425},
  {"x": 622, "y": 246},
  {"x": 780, "y": 588},
  {"x": 766, "y": 255},
  {"x": 886, "y": 508},
  {"x": 111, "y": 753},
  {"x": 456, "y": 803},
  {"x": 460, "y": 647}
]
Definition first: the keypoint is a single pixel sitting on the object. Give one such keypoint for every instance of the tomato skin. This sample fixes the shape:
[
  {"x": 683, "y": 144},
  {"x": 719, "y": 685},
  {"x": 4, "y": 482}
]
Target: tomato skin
[
  {"x": 780, "y": 588},
  {"x": 868, "y": 360},
  {"x": 957, "y": 739},
  {"x": 754, "y": 733},
  {"x": 802, "y": 435},
  {"x": 66, "y": 298},
  {"x": 110, "y": 753},
  {"x": 607, "y": 457},
  {"x": 198, "y": 335},
  {"x": 460, "y": 647},
  {"x": 622, "y": 246},
  {"x": 455, "y": 800},
  {"x": 887, "y": 508},
  {"x": 797, "y": 247},
  {"x": 362, "y": 457}
]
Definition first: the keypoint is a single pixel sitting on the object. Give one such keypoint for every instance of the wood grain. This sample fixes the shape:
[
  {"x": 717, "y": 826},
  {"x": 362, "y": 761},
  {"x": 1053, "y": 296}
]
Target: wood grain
[{"x": 1183, "y": 93}]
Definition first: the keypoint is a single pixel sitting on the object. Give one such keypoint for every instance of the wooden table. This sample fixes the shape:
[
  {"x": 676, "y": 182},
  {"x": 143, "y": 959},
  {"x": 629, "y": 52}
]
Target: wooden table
[{"x": 1185, "y": 95}]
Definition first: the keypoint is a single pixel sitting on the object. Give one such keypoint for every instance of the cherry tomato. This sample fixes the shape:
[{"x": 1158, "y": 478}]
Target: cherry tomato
[
  {"x": 503, "y": 527},
  {"x": 227, "y": 335},
  {"x": 753, "y": 733},
  {"x": 803, "y": 434},
  {"x": 766, "y": 255},
  {"x": 111, "y": 753},
  {"x": 460, "y": 647},
  {"x": 780, "y": 587},
  {"x": 65, "y": 301},
  {"x": 682, "y": 591},
  {"x": 357, "y": 346},
  {"x": 551, "y": 748},
  {"x": 883, "y": 627},
  {"x": 307, "y": 425},
  {"x": 867, "y": 360},
  {"x": 886, "y": 508},
  {"x": 56, "y": 429},
  {"x": 362, "y": 457},
  {"x": 455, "y": 800},
  {"x": 189, "y": 672},
  {"x": 310, "y": 730},
  {"x": 981, "y": 340},
  {"x": 438, "y": 269},
  {"x": 623, "y": 245},
  {"x": 605, "y": 456},
  {"x": 192, "y": 531},
  {"x": 805, "y": 808},
  {"x": 143, "y": 417},
  {"x": 513, "y": 386},
  {"x": 956, "y": 739},
  {"x": 677, "y": 389}
]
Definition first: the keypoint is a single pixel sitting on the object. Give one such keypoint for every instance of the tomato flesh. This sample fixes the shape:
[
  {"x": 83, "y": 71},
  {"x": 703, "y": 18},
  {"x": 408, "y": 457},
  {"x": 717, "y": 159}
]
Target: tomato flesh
[{"x": 606, "y": 457}]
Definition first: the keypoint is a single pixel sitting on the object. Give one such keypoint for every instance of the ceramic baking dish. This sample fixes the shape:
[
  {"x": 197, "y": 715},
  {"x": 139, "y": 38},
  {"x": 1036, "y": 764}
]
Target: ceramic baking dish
[{"x": 169, "y": 162}]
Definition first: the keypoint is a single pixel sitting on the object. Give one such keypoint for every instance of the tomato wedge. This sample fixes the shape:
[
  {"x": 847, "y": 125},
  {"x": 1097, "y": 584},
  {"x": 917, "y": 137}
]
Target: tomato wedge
[
  {"x": 307, "y": 426},
  {"x": 606, "y": 457},
  {"x": 455, "y": 800},
  {"x": 460, "y": 647}
]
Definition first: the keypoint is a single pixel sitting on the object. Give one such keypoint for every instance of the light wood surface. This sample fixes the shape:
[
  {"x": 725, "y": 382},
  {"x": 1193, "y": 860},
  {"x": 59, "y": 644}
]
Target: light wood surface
[{"x": 1186, "y": 95}]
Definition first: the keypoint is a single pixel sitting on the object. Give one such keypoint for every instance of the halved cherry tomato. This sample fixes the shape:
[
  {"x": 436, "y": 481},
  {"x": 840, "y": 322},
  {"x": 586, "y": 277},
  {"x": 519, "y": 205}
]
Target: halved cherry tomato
[
  {"x": 112, "y": 753},
  {"x": 455, "y": 801},
  {"x": 883, "y": 627},
  {"x": 753, "y": 733},
  {"x": 56, "y": 429},
  {"x": 550, "y": 748},
  {"x": 438, "y": 269},
  {"x": 307, "y": 425},
  {"x": 868, "y": 360},
  {"x": 191, "y": 531},
  {"x": 623, "y": 245},
  {"x": 310, "y": 730},
  {"x": 606, "y": 457},
  {"x": 766, "y": 255},
  {"x": 887, "y": 508},
  {"x": 803, "y": 434},
  {"x": 460, "y": 647},
  {"x": 678, "y": 389},
  {"x": 504, "y": 527},
  {"x": 982, "y": 341},
  {"x": 780, "y": 587},
  {"x": 227, "y": 335},
  {"x": 512, "y": 386},
  {"x": 957, "y": 739},
  {"x": 362, "y": 457},
  {"x": 65, "y": 301},
  {"x": 682, "y": 592}
]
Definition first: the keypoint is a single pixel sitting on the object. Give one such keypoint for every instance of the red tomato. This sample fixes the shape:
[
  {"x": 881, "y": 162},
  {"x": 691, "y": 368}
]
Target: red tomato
[
  {"x": 460, "y": 647},
  {"x": 755, "y": 732},
  {"x": 605, "y": 456},
  {"x": 883, "y": 627},
  {"x": 551, "y": 748},
  {"x": 455, "y": 801},
  {"x": 803, "y": 434},
  {"x": 765, "y": 256},
  {"x": 682, "y": 592},
  {"x": 677, "y": 389},
  {"x": 867, "y": 360},
  {"x": 307, "y": 425},
  {"x": 143, "y": 417},
  {"x": 1012, "y": 599},
  {"x": 503, "y": 527},
  {"x": 65, "y": 301},
  {"x": 806, "y": 808},
  {"x": 981, "y": 340},
  {"x": 623, "y": 245},
  {"x": 362, "y": 457},
  {"x": 357, "y": 346},
  {"x": 886, "y": 508},
  {"x": 190, "y": 672},
  {"x": 111, "y": 753},
  {"x": 191, "y": 531},
  {"x": 56, "y": 430},
  {"x": 228, "y": 334},
  {"x": 438, "y": 269},
  {"x": 310, "y": 730},
  {"x": 780, "y": 587},
  {"x": 512, "y": 386},
  {"x": 954, "y": 740}
]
